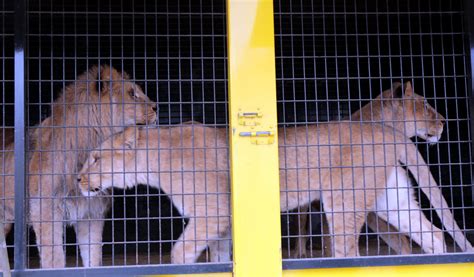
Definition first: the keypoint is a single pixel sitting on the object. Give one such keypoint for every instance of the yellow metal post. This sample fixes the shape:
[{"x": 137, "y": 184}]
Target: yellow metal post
[{"x": 253, "y": 143}]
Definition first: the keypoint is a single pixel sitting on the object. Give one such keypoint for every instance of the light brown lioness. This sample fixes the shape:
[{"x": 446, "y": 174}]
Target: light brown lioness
[
  {"x": 189, "y": 163},
  {"x": 393, "y": 107},
  {"x": 98, "y": 104}
]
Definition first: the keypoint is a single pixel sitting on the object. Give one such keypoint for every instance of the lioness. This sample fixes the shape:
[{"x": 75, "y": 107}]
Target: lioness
[
  {"x": 393, "y": 107},
  {"x": 100, "y": 103},
  {"x": 189, "y": 163}
]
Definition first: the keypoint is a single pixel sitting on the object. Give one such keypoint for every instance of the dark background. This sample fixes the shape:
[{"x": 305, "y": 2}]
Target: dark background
[{"x": 332, "y": 57}]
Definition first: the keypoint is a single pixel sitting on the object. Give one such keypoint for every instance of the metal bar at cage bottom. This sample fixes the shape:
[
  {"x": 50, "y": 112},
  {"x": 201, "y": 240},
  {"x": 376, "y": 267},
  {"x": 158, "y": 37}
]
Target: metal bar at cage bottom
[
  {"x": 254, "y": 159},
  {"x": 458, "y": 270},
  {"x": 20, "y": 240}
]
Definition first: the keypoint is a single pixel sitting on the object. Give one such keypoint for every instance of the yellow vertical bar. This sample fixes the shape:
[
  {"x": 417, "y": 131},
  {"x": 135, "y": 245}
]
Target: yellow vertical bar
[{"x": 254, "y": 161}]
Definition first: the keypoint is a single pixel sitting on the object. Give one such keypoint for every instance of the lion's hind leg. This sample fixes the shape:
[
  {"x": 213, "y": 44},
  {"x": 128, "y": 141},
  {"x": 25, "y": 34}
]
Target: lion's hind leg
[
  {"x": 344, "y": 227},
  {"x": 208, "y": 227},
  {"x": 344, "y": 221},
  {"x": 346, "y": 200},
  {"x": 194, "y": 239}
]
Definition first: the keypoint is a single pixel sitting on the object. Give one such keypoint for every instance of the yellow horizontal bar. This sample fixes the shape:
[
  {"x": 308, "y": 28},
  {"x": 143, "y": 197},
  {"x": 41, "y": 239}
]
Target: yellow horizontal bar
[{"x": 431, "y": 270}]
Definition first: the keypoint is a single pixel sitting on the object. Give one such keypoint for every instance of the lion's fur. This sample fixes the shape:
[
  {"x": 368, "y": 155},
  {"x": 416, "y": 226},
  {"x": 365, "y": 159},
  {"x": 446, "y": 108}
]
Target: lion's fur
[
  {"x": 99, "y": 103},
  {"x": 189, "y": 163},
  {"x": 6, "y": 136},
  {"x": 178, "y": 161},
  {"x": 352, "y": 171},
  {"x": 7, "y": 178},
  {"x": 404, "y": 110},
  {"x": 394, "y": 107},
  {"x": 7, "y": 192},
  {"x": 398, "y": 107}
]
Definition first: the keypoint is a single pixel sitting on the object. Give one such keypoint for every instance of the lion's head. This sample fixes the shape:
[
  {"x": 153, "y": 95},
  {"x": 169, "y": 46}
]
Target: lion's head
[
  {"x": 406, "y": 111},
  {"x": 107, "y": 165},
  {"x": 124, "y": 100}
]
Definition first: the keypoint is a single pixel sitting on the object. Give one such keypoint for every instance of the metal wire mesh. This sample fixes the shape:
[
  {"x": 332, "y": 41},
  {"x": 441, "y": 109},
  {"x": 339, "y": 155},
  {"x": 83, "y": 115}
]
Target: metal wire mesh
[
  {"x": 176, "y": 52},
  {"x": 6, "y": 106},
  {"x": 334, "y": 57}
]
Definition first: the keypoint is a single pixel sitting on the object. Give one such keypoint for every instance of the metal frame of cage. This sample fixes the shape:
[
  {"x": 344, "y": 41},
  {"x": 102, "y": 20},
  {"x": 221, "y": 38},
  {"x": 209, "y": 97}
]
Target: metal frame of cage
[{"x": 249, "y": 43}]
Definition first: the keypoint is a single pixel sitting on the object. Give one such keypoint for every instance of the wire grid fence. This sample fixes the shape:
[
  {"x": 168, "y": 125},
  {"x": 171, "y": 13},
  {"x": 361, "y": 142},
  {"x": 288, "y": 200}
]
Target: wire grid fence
[
  {"x": 334, "y": 57},
  {"x": 6, "y": 106},
  {"x": 133, "y": 54}
]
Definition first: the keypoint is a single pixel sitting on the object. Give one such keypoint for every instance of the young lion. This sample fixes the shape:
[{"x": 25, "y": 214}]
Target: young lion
[
  {"x": 391, "y": 108},
  {"x": 100, "y": 103},
  {"x": 189, "y": 163}
]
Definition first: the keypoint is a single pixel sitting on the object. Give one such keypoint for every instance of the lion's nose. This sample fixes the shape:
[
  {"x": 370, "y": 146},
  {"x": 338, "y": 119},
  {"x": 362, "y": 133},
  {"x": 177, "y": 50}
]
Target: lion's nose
[
  {"x": 155, "y": 108},
  {"x": 79, "y": 179}
]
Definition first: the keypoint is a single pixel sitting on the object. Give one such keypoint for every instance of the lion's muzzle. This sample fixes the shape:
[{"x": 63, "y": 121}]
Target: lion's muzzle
[
  {"x": 152, "y": 115},
  {"x": 87, "y": 189}
]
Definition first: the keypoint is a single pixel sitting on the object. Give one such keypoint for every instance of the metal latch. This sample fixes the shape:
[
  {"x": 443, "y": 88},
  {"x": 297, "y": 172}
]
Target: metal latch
[
  {"x": 249, "y": 118},
  {"x": 259, "y": 137}
]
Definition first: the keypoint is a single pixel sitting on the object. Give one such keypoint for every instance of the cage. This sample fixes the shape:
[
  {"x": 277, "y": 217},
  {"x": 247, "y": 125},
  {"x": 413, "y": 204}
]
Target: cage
[
  {"x": 333, "y": 58},
  {"x": 196, "y": 182},
  {"x": 174, "y": 50}
]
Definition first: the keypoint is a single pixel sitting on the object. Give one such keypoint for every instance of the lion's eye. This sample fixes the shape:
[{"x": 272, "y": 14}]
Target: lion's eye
[
  {"x": 96, "y": 159},
  {"x": 133, "y": 93}
]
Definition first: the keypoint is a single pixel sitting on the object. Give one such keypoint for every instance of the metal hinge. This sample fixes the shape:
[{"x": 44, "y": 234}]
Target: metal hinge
[
  {"x": 259, "y": 137},
  {"x": 251, "y": 120}
]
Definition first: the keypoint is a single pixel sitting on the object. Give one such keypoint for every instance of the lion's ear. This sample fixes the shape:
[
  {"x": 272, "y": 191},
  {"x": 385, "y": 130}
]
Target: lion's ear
[
  {"x": 130, "y": 137},
  {"x": 397, "y": 91},
  {"x": 408, "y": 89}
]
